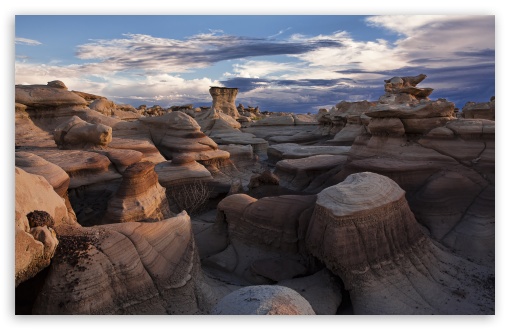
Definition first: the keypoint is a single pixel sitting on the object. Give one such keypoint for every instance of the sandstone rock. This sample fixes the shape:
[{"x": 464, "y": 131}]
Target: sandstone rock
[
  {"x": 302, "y": 119},
  {"x": 35, "y": 246},
  {"x": 171, "y": 175},
  {"x": 121, "y": 159},
  {"x": 77, "y": 133},
  {"x": 34, "y": 164},
  {"x": 139, "y": 197},
  {"x": 40, "y": 96},
  {"x": 347, "y": 135},
  {"x": 127, "y": 268},
  {"x": 278, "y": 152},
  {"x": 365, "y": 233},
  {"x": 83, "y": 167},
  {"x": 57, "y": 84},
  {"x": 422, "y": 126},
  {"x": 422, "y": 110},
  {"x": 386, "y": 126},
  {"x": 275, "y": 121},
  {"x": 473, "y": 110},
  {"x": 265, "y": 178},
  {"x": 104, "y": 106},
  {"x": 224, "y": 100},
  {"x": 297, "y": 174},
  {"x": 263, "y": 300}
]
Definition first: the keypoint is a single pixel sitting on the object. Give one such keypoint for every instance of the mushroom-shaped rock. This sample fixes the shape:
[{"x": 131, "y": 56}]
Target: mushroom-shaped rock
[
  {"x": 364, "y": 231},
  {"x": 224, "y": 100},
  {"x": 263, "y": 300},
  {"x": 38, "y": 210},
  {"x": 139, "y": 196},
  {"x": 77, "y": 133},
  {"x": 54, "y": 174},
  {"x": 126, "y": 268}
]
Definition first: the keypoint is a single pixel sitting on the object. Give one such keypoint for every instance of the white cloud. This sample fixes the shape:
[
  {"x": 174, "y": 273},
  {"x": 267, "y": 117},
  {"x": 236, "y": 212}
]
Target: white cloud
[{"x": 26, "y": 41}]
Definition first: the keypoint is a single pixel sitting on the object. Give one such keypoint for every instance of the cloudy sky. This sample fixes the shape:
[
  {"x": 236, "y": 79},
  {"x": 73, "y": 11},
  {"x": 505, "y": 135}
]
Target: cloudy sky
[{"x": 280, "y": 63}]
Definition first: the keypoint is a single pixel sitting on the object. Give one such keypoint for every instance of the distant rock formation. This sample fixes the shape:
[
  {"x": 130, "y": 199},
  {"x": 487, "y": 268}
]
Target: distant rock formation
[
  {"x": 484, "y": 110},
  {"x": 263, "y": 300},
  {"x": 224, "y": 100},
  {"x": 139, "y": 197},
  {"x": 365, "y": 232}
]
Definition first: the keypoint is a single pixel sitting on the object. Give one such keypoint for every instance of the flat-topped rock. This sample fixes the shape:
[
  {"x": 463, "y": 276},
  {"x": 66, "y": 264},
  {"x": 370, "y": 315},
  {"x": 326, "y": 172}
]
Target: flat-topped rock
[
  {"x": 286, "y": 120},
  {"x": 41, "y": 95},
  {"x": 282, "y": 151},
  {"x": 121, "y": 159},
  {"x": 364, "y": 231},
  {"x": 297, "y": 174},
  {"x": 170, "y": 174},
  {"x": 429, "y": 109},
  {"x": 54, "y": 174},
  {"x": 83, "y": 167}
]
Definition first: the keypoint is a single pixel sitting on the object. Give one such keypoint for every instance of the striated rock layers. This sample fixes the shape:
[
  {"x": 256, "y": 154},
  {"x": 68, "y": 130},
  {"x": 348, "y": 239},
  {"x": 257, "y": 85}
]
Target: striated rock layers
[
  {"x": 484, "y": 110},
  {"x": 127, "y": 268},
  {"x": 139, "y": 197},
  {"x": 364, "y": 231},
  {"x": 445, "y": 165},
  {"x": 224, "y": 100},
  {"x": 263, "y": 300},
  {"x": 38, "y": 210}
]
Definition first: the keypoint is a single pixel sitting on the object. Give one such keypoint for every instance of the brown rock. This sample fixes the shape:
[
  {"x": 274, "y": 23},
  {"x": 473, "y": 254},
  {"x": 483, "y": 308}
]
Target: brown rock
[
  {"x": 224, "y": 100},
  {"x": 139, "y": 197},
  {"x": 40, "y": 96},
  {"x": 77, "y": 133}
]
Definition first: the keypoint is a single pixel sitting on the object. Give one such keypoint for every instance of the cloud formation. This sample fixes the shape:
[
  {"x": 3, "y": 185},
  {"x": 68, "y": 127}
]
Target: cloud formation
[
  {"x": 25, "y": 41},
  {"x": 298, "y": 73}
]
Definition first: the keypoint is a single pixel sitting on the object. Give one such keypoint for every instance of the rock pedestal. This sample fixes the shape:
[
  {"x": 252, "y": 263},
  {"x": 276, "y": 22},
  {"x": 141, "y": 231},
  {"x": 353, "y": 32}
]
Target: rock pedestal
[{"x": 224, "y": 100}]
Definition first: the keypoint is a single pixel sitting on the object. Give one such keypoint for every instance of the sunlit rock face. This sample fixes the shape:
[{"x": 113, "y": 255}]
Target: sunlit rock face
[
  {"x": 77, "y": 133},
  {"x": 224, "y": 100},
  {"x": 38, "y": 210},
  {"x": 127, "y": 268},
  {"x": 364, "y": 231},
  {"x": 139, "y": 197},
  {"x": 445, "y": 165}
]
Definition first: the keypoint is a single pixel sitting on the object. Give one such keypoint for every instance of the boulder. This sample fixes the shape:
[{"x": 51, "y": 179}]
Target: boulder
[
  {"x": 263, "y": 300},
  {"x": 77, "y": 133},
  {"x": 35, "y": 96}
]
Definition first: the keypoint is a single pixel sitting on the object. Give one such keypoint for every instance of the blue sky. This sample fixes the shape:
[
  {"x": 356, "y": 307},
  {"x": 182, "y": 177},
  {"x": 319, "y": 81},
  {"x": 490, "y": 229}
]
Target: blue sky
[{"x": 291, "y": 63}]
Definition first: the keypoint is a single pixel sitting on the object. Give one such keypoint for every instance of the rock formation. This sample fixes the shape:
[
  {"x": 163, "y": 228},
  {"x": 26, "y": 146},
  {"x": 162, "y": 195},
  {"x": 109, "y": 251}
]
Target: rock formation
[
  {"x": 35, "y": 240},
  {"x": 77, "y": 133},
  {"x": 139, "y": 197},
  {"x": 282, "y": 151},
  {"x": 263, "y": 300},
  {"x": 224, "y": 100},
  {"x": 484, "y": 110},
  {"x": 127, "y": 268},
  {"x": 364, "y": 231}
]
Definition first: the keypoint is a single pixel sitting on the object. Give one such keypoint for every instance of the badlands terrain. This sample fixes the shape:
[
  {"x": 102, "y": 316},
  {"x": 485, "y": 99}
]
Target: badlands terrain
[{"x": 372, "y": 207}]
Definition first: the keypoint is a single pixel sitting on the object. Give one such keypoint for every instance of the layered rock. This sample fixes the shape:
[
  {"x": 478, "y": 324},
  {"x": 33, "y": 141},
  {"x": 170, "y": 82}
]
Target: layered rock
[
  {"x": 298, "y": 174},
  {"x": 34, "y": 96},
  {"x": 54, "y": 174},
  {"x": 224, "y": 100},
  {"x": 179, "y": 138},
  {"x": 282, "y": 151},
  {"x": 263, "y": 300},
  {"x": 77, "y": 133},
  {"x": 35, "y": 240},
  {"x": 364, "y": 231},
  {"x": 482, "y": 110},
  {"x": 127, "y": 268},
  {"x": 139, "y": 197}
]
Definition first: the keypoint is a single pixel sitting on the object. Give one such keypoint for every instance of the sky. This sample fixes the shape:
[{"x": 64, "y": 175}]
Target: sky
[{"x": 289, "y": 63}]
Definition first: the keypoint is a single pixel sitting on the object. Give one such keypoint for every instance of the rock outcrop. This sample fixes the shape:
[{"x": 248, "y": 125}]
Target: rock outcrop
[
  {"x": 278, "y": 152},
  {"x": 263, "y": 300},
  {"x": 139, "y": 197},
  {"x": 364, "y": 231},
  {"x": 77, "y": 133},
  {"x": 483, "y": 110},
  {"x": 224, "y": 100},
  {"x": 38, "y": 210},
  {"x": 127, "y": 268}
]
